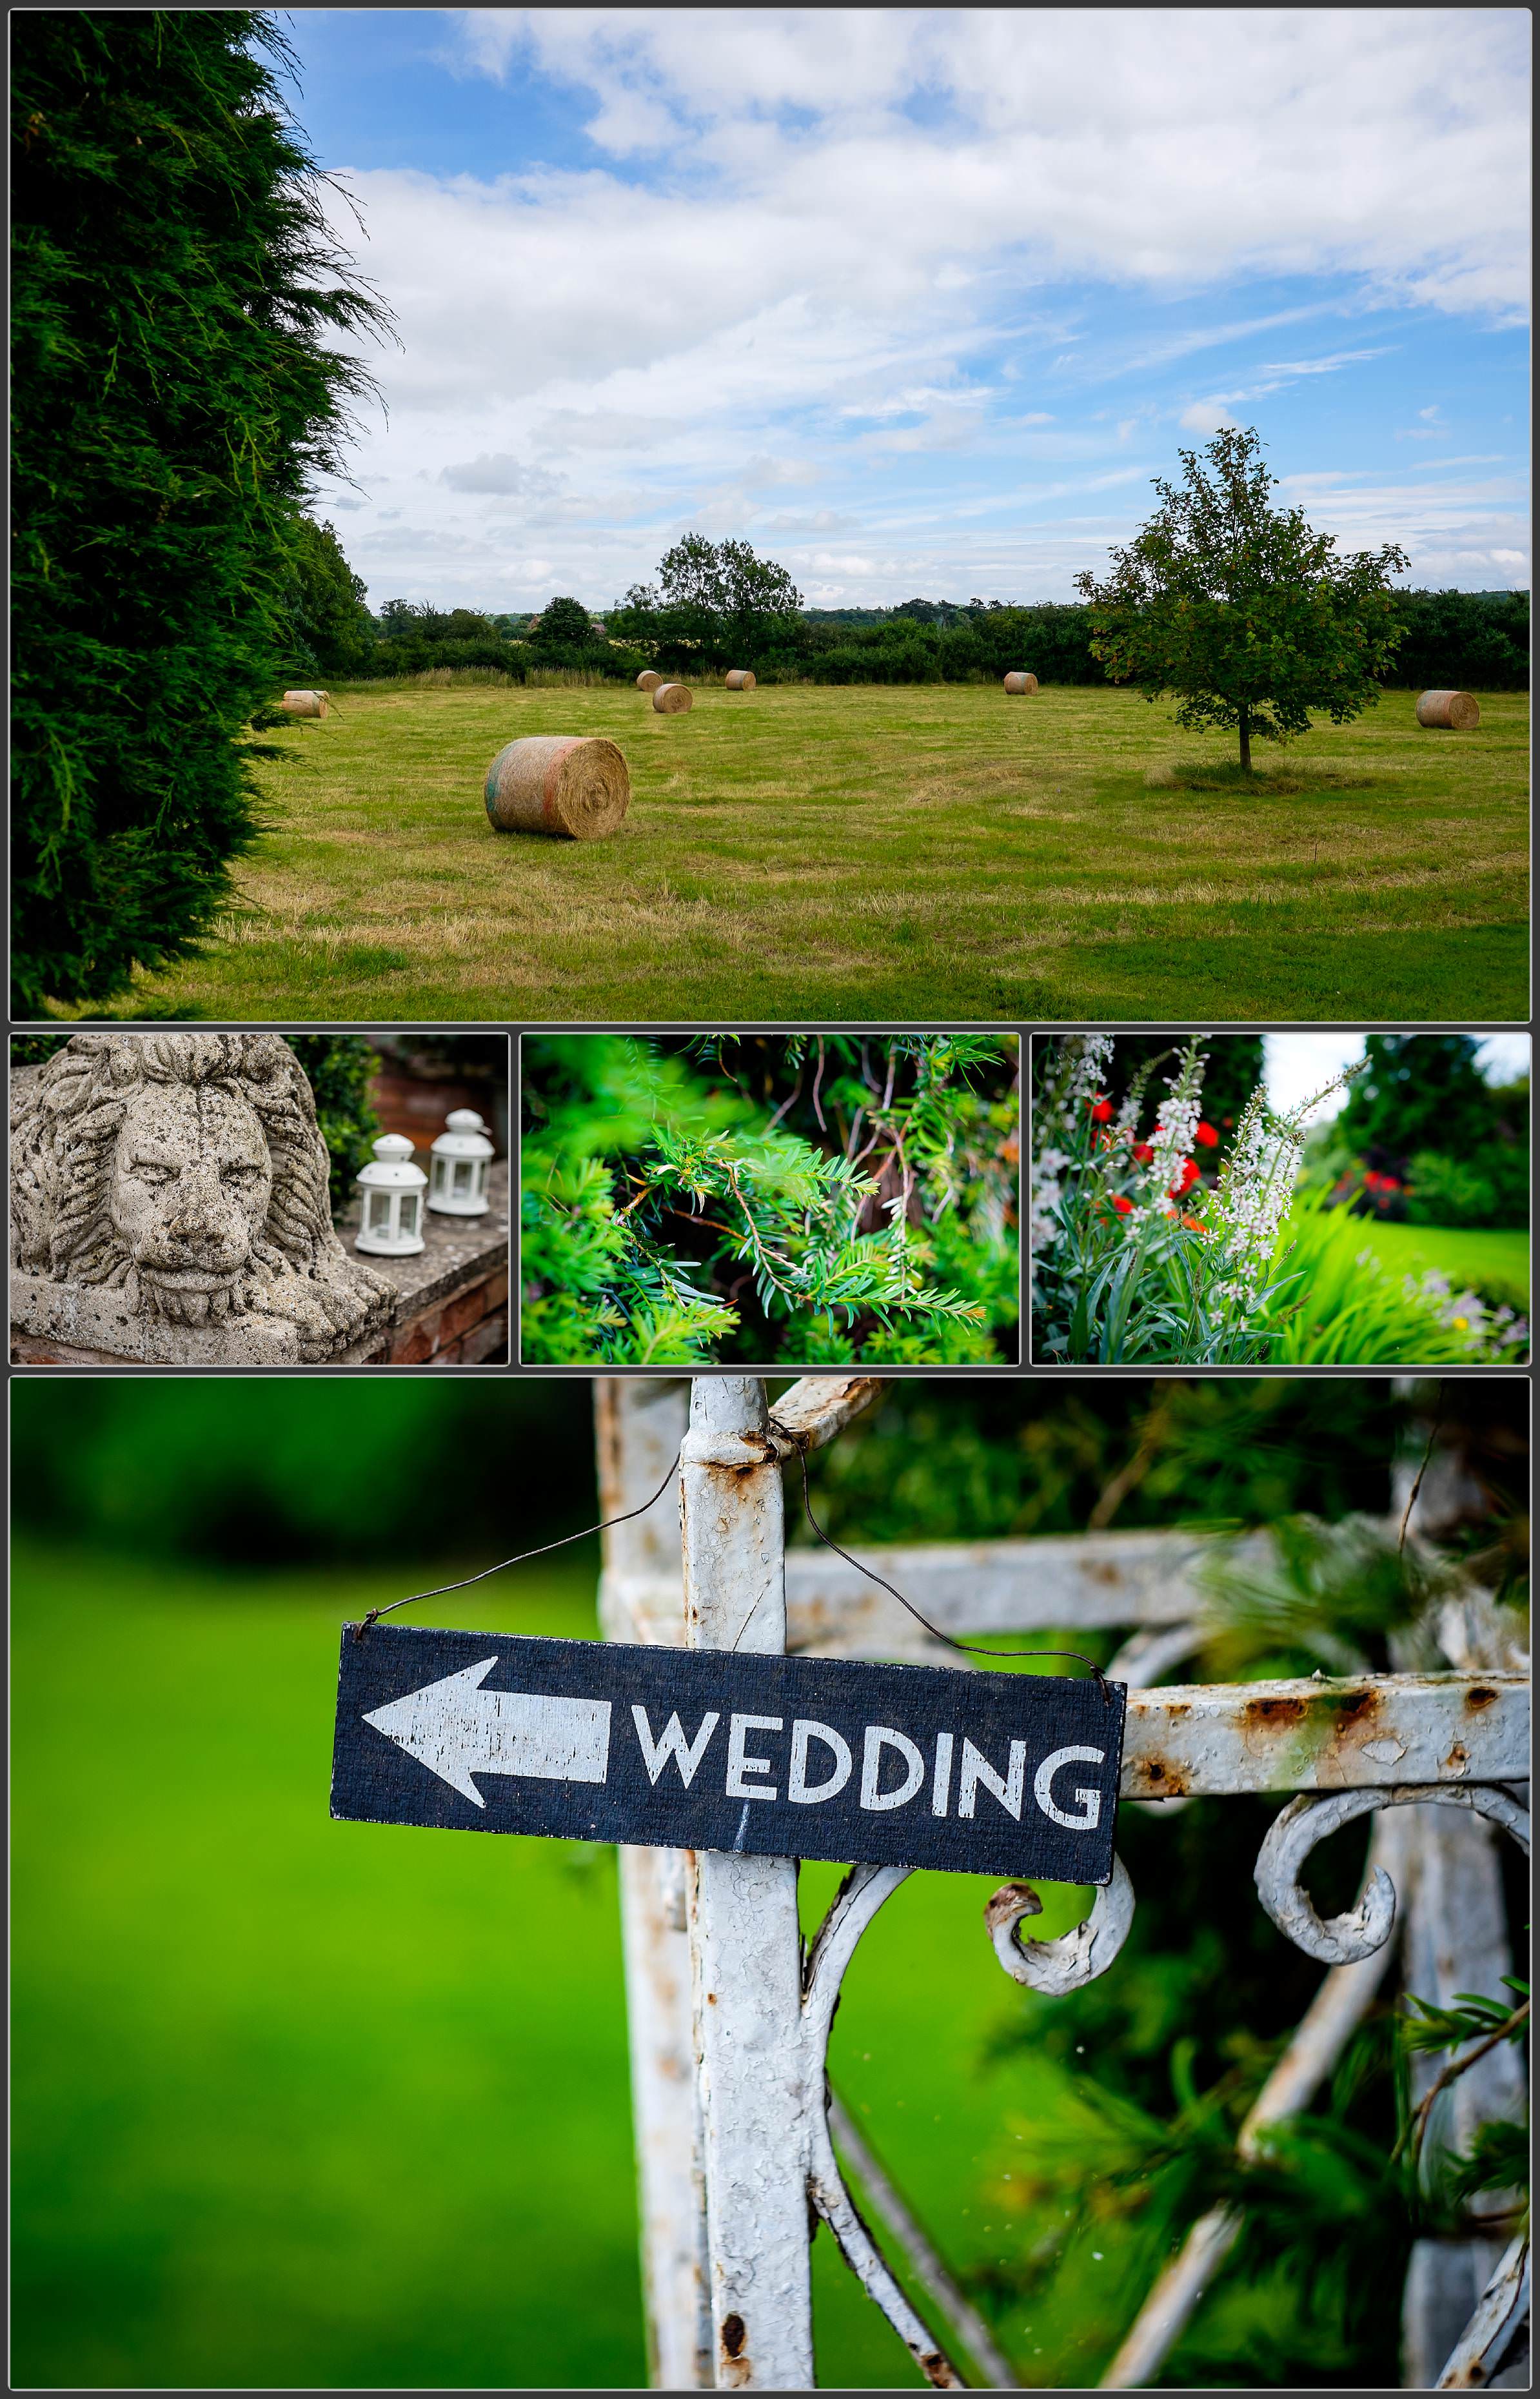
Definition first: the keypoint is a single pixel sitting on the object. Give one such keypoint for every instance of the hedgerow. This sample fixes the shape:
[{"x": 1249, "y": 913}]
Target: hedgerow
[{"x": 1473, "y": 640}]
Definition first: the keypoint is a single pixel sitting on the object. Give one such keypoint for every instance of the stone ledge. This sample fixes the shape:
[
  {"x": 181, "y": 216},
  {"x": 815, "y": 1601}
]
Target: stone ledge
[{"x": 459, "y": 1250}]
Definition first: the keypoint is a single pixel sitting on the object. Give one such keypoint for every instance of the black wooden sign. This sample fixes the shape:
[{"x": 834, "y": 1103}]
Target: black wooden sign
[{"x": 701, "y": 1749}]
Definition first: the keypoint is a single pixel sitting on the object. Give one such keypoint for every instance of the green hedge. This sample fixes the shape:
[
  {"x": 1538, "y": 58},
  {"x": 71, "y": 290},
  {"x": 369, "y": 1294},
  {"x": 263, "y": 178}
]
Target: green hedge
[
  {"x": 1477, "y": 641},
  {"x": 173, "y": 284}
]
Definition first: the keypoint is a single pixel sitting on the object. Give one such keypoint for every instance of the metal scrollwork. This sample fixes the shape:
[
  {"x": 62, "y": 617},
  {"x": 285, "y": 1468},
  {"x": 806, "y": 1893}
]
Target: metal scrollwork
[
  {"x": 1340, "y": 1940},
  {"x": 1057, "y": 1967},
  {"x": 864, "y": 1891}
]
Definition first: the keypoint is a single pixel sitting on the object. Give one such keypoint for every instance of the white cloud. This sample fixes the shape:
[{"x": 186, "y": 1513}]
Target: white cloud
[
  {"x": 1205, "y": 416},
  {"x": 1331, "y": 365},
  {"x": 777, "y": 252},
  {"x": 501, "y": 473}
]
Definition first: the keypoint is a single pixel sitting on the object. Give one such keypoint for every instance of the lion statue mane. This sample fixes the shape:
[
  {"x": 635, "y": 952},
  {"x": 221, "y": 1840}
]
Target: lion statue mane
[{"x": 65, "y": 1128}]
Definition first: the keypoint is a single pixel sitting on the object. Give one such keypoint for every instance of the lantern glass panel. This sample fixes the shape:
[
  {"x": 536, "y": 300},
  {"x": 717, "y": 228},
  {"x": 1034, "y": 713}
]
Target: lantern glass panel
[
  {"x": 462, "y": 1178},
  {"x": 378, "y": 1212},
  {"x": 409, "y": 1211}
]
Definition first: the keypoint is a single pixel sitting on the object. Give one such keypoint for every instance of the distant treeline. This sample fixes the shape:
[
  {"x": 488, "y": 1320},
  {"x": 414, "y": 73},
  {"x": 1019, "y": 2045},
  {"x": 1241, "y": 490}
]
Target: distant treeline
[{"x": 1473, "y": 640}]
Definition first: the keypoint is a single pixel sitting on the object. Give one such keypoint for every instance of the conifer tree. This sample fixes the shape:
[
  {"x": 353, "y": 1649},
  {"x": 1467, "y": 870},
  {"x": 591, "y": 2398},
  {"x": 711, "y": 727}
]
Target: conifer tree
[{"x": 177, "y": 300}]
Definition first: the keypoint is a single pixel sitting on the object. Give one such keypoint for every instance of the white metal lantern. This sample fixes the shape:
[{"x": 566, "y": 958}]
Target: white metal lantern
[
  {"x": 461, "y": 1161},
  {"x": 392, "y": 1187}
]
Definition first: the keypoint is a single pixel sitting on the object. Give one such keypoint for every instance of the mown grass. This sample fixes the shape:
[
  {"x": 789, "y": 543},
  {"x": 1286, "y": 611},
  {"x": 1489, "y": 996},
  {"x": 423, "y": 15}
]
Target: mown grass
[
  {"x": 875, "y": 854},
  {"x": 304, "y": 2104},
  {"x": 1487, "y": 1258}
]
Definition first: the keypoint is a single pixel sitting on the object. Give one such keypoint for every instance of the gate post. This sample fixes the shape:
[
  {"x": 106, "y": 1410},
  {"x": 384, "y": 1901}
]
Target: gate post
[
  {"x": 639, "y": 1426},
  {"x": 745, "y": 1941}
]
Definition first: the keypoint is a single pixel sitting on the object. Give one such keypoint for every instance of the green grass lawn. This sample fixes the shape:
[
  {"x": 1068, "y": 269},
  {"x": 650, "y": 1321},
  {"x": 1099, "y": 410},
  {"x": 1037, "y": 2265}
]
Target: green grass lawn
[
  {"x": 1468, "y": 1255},
  {"x": 880, "y": 853},
  {"x": 298, "y": 2104}
]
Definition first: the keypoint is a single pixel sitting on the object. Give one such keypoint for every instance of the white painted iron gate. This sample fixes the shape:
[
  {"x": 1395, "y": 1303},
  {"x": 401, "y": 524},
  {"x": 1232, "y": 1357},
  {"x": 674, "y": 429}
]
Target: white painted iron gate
[{"x": 729, "y": 2017}]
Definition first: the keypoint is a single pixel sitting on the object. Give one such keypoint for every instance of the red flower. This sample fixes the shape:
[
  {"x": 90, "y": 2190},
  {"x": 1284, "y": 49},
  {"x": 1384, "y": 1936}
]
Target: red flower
[
  {"x": 1205, "y": 1137},
  {"x": 1101, "y": 1111},
  {"x": 1124, "y": 1207},
  {"x": 1185, "y": 1180},
  {"x": 1143, "y": 1152}
]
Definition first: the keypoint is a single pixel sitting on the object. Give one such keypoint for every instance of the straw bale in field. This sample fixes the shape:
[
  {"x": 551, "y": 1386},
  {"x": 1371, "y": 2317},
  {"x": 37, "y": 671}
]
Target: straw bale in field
[
  {"x": 563, "y": 783},
  {"x": 1449, "y": 712},
  {"x": 648, "y": 680},
  {"x": 305, "y": 703},
  {"x": 1018, "y": 683},
  {"x": 740, "y": 679},
  {"x": 672, "y": 699}
]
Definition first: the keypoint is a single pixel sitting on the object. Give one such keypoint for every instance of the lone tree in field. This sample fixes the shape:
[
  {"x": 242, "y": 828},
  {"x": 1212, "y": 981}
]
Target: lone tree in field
[
  {"x": 1239, "y": 608},
  {"x": 176, "y": 296}
]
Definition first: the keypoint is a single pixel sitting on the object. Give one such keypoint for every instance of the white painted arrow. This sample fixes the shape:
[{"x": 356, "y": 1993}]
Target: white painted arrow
[{"x": 456, "y": 1729}]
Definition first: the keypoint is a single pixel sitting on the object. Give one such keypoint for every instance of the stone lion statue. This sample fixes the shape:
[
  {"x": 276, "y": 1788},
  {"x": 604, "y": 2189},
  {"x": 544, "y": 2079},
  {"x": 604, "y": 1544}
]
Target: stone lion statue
[{"x": 187, "y": 1172}]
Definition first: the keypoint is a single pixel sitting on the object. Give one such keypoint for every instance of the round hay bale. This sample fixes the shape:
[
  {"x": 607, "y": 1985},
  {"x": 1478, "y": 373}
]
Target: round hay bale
[
  {"x": 305, "y": 703},
  {"x": 1450, "y": 711},
  {"x": 1018, "y": 683},
  {"x": 740, "y": 679},
  {"x": 649, "y": 679},
  {"x": 561, "y": 783},
  {"x": 672, "y": 699}
]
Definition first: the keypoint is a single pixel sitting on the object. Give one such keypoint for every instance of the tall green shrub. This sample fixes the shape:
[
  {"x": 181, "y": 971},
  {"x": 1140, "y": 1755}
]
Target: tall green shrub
[
  {"x": 1425, "y": 1091},
  {"x": 331, "y": 629},
  {"x": 174, "y": 289}
]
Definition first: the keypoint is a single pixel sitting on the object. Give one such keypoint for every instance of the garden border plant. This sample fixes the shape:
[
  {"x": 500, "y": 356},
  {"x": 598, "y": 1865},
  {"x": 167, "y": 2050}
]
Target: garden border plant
[{"x": 1136, "y": 1259}]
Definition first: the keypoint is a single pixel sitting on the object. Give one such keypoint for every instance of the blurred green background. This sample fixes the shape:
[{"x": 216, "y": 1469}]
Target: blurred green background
[{"x": 305, "y": 2104}]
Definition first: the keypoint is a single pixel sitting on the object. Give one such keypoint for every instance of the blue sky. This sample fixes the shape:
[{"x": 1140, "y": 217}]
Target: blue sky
[{"x": 918, "y": 301}]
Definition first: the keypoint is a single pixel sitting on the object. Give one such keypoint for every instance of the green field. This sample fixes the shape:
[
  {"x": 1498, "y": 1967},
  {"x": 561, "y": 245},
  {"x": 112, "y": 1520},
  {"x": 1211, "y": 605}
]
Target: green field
[
  {"x": 879, "y": 853},
  {"x": 298, "y": 2104},
  {"x": 1467, "y": 1254}
]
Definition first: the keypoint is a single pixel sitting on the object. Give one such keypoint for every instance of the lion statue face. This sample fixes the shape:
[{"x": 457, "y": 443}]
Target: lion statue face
[
  {"x": 192, "y": 1180},
  {"x": 187, "y": 1170}
]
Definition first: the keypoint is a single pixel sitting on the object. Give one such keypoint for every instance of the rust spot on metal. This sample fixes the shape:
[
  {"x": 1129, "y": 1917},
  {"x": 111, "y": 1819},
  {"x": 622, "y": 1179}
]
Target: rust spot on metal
[
  {"x": 735, "y": 2332},
  {"x": 1353, "y": 1707},
  {"x": 1102, "y": 1570},
  {"x": 1271, "y": 1715},
  {"x": 1478, "y": 1696},
  {"x": 711, "y": 1998},
  {"x": 1179, "y": 1710},
  {"x": 1009, "y": 1903},
  {"x": 1167, "y": 1783},
  {"x": 1457, "y": 1760}
]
